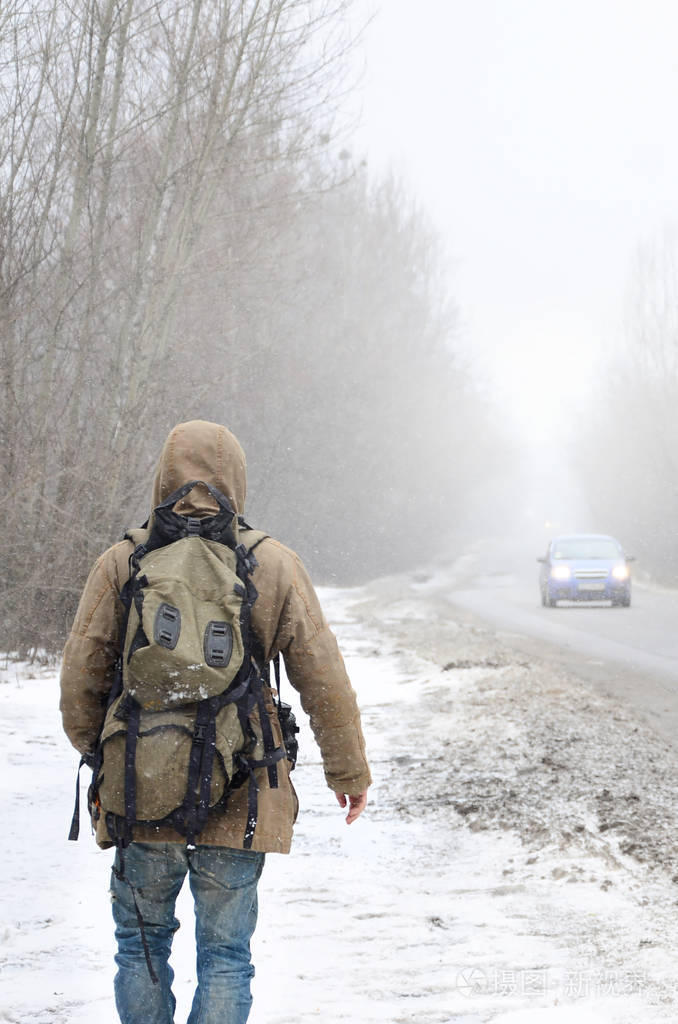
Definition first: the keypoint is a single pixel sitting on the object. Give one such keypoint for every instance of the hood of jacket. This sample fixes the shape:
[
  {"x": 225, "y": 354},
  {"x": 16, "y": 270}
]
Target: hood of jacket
[{"x": 199, "y": 450}]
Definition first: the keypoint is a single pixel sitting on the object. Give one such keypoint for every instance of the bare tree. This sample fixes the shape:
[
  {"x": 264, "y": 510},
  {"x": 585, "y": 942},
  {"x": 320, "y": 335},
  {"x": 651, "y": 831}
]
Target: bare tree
[
  {"x": 362, "y": 425},
  {"x": 628, "y": 449},
  {"x": 118, "y": 122},
  {"x": 179, "y": 239}
]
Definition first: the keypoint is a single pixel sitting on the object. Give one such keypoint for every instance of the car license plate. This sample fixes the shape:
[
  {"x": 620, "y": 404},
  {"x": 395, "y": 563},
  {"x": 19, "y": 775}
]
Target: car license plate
[{"x": 592, "y": 587}]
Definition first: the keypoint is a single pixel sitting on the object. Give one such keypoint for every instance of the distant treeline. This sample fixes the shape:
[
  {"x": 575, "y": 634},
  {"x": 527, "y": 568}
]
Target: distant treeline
[
  {"x": 627, "y": 449},
  {"x": 180, "y": 239}
]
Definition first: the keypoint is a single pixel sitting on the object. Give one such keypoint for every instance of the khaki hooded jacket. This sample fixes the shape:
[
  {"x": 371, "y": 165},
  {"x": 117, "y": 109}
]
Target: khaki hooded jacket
[{"x": 286, "y": 619}]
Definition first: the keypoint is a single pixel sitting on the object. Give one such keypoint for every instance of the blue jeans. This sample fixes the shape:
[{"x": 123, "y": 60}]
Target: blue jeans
[{"x": 224, "y": 886}]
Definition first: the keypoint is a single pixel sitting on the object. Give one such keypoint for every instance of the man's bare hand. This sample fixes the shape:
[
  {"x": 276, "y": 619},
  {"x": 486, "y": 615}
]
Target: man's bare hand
[{"x": 357, "y": 804}]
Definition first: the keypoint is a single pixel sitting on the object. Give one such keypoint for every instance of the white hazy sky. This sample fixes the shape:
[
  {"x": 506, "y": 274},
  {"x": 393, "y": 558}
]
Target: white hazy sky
[{"x": 541, "y": 137}]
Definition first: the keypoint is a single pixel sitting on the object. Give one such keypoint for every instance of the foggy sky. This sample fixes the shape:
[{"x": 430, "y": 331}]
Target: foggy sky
[{"x": 540, "y": 137}]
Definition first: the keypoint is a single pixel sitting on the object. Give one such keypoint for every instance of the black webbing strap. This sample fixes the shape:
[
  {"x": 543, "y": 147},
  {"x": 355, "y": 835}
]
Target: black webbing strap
[
  {"x": 286, "y": 718},
  {"x": 272, "y": 754},
  {"x": 130, "y": 759},
  {"x": 267, "y": 736},
  {"x": 269, "y": 759},
  {"x": 253, "y": 789},
  {"x": 194, "y": 769},
  {"x": 168, "y": 525},
  {"x": 252, "y": 805},
  {"x": 95, "y": 760},
  {"x": 121, "y": 876},
  {"x": 181, "y": 492},
  {"x": 140, "y": 639},
  {"x": 257, "y": 542},
  {"x": 75, "y": 820},
  {"x": 234, "y": 694},
  {"x": 209, "y": 747}
]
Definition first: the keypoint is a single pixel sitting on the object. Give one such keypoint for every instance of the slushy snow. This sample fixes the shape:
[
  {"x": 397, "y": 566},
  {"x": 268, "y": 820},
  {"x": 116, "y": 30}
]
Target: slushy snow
[{"x": 479, "y": 885}]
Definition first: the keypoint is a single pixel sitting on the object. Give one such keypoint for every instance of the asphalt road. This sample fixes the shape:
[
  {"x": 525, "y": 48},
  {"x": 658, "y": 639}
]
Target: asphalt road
[{"x": 630, "y": 652}]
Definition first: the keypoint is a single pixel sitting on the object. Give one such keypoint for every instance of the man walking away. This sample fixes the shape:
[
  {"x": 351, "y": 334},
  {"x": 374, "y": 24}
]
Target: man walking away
[{"x": 144, "y": 737}]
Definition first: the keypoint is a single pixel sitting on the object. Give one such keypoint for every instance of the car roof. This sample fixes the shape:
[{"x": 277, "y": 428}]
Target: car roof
[{"x": 584, "y": 536}]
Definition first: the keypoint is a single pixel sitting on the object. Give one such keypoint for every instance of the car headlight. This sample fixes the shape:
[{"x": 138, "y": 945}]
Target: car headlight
[
  {"x": 621, "y": 572},
  {"x": 560, "y": 572}
]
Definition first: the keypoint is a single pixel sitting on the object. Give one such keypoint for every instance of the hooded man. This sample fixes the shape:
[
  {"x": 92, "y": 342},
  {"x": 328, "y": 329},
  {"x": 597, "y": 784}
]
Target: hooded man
[{"x": 223, "y": 869}]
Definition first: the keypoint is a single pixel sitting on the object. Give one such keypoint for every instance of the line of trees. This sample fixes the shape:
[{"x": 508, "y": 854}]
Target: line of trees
[
  {"x": 179, "y": 238},
  {"x": 628, "y": 451}
]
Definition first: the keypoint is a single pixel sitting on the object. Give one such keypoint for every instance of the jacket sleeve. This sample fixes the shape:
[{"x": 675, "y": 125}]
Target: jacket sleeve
[
  {"x": 316, "y": 669},
  {"x": 90, "y": 655}
]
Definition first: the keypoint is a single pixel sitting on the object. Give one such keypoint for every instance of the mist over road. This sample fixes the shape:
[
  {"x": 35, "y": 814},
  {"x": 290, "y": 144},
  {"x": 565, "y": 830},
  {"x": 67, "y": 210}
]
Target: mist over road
[{"x": 630, "y": 652}]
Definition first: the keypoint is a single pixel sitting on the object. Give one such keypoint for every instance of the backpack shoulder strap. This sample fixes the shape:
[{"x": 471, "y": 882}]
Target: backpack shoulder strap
[{"x": 250, "y": 537}]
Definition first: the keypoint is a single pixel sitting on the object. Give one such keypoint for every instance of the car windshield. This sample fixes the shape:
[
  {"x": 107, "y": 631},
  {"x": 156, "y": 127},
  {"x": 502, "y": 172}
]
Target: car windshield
[{"x": 586, "y": 547}]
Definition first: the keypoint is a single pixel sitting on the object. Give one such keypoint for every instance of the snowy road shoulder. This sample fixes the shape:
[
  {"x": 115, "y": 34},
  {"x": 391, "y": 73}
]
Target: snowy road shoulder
[
  {"x": 515, "y": 863},
  {"x": 520, "y": 839}
]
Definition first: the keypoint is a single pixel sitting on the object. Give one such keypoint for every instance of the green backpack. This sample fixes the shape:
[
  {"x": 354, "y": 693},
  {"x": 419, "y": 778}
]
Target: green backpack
[{"x": 186, "y": 722}]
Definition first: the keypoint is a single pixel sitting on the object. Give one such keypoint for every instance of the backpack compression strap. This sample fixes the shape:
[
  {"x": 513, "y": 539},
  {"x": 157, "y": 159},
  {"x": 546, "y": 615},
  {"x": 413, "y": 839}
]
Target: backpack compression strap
[{"x": 169, "y": 525}]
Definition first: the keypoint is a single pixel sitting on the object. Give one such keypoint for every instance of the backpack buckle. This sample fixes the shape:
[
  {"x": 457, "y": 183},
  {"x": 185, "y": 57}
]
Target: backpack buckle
[
  {"x": 246, "y": 557},
  {"x": 200, "y": 733},
  {"x": 192, "y": 526},
  {"x": 136, "y": 556}
]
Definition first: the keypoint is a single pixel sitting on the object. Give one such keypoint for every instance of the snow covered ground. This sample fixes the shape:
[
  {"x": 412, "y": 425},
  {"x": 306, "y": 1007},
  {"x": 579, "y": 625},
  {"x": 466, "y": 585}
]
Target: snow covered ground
[{"x": 515, "y": 864}]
